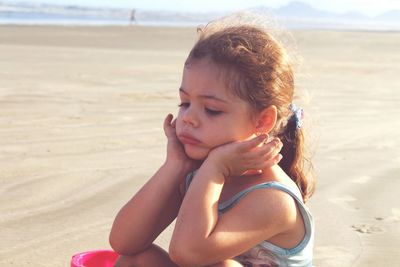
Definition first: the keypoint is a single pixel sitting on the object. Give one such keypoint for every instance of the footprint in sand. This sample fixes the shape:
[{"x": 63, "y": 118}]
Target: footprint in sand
[
  {"x": 345, "y": 202},
  {"x": 333, "y": 256},
  {"x": 361, "y": 180},
  {"x": 367, "y": 229},
  {"x": 395, "y": 217}
]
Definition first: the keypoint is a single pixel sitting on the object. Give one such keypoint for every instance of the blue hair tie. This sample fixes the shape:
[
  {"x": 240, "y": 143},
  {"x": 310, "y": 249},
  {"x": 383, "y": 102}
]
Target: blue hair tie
[{"x": 297, "y": 116}]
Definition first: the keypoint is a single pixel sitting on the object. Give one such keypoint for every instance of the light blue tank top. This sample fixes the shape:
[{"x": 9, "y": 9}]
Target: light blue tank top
[{"x": 267, "y": 254}]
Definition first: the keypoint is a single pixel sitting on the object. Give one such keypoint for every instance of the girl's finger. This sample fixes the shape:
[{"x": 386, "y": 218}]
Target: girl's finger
[
  {"x": 270, "y": 148},
  {"x": 168, "y": 118},
  {"x": 275, "y": 160},
  {"x": 267, "y": 154},
  {"x": 252, "y": 143},
  {"x": 278, "y": 158},
  {"x": 252, "y": 172},
  {"x": 167, "y": 123},
  {"x": 269, "y": 163},
  {"x": 265, "y": 151}
]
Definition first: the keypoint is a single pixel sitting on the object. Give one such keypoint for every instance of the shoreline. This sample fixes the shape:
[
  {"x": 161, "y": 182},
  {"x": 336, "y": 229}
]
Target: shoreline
[{"x": 194, "y": 26}]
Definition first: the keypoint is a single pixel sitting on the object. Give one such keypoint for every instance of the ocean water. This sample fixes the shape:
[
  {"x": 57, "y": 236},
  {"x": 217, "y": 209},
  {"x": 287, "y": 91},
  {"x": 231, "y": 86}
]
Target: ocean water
[
  {"x": 178, "y": 20},
  {"x": 39, "y": 18}
]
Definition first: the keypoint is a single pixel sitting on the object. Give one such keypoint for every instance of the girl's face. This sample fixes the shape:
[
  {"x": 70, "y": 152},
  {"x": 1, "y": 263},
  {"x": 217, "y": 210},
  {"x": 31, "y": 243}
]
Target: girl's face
[{"x": 209, "y": 114}]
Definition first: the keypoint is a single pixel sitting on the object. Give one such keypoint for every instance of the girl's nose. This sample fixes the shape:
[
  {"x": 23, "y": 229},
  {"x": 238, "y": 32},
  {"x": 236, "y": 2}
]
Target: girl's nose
[{"x": 189, "y": 118}]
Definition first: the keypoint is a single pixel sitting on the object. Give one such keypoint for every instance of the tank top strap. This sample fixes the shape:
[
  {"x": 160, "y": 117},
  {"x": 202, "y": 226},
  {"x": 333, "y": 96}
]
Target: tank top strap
[
  {"x": 294, "y": 192},
  {"x": 296, "y": 195},
  {"x": 305, "y": 246},
  {"x": 188, "y": 180}
]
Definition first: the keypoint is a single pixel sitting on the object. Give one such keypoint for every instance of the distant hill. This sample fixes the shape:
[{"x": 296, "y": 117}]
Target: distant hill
[
  {"x": 393, "y": 15},
  {"x": 354, "y": 15},
  {"x": 301, "y": 15},
  {"x": 300, "y": 9}
]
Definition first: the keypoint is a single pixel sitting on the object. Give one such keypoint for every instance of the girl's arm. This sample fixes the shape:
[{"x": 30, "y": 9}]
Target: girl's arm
[
  {"x": 156, "y": 204},
  {"x": 148, "y": 213},
  {"x": 202, "y": 236}
]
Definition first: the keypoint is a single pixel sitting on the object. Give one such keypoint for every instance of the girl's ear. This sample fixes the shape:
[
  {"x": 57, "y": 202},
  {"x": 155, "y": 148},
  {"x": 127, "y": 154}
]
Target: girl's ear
[{"x": 267, "y": 119}]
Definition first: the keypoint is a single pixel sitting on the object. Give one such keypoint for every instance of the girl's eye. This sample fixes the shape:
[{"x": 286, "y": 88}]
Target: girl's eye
[
  {"x": 183, "y": 105},
  {"x": 213, "y": 112}
]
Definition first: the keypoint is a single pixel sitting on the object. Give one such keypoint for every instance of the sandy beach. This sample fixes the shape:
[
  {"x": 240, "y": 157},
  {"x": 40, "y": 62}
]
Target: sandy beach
[{"x": 81, "y": 111}]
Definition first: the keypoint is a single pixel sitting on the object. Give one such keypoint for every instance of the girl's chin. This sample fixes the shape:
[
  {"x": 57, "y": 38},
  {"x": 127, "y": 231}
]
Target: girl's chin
[{"x": 197, "y": 153}]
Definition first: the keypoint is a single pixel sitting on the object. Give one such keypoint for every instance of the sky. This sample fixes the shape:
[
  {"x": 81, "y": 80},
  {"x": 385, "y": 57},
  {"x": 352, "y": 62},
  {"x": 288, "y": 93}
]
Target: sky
[{"x": 366, "y": 7}]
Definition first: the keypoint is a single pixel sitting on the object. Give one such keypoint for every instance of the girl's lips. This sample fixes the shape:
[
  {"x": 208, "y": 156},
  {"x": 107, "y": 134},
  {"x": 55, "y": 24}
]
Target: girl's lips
[{"x": 188, "y": 139}]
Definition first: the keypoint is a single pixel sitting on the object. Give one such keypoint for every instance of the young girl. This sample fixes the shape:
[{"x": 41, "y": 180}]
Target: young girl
[{"x": 235, "y": 206}]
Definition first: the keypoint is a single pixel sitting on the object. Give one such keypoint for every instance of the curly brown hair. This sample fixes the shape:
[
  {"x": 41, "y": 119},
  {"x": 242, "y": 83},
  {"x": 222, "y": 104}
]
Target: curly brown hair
[{"x": 258, "y": 70}]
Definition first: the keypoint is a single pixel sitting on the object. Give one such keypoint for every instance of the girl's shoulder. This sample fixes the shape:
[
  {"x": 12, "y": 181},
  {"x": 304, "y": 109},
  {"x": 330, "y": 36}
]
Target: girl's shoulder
[
  {"x": 274, "y": 204},
  {"x": 271, "y": 196}
]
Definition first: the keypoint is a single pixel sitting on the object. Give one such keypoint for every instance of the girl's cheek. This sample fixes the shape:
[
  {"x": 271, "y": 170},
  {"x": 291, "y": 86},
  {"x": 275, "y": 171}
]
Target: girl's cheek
[{"x": 178, "y": 123}]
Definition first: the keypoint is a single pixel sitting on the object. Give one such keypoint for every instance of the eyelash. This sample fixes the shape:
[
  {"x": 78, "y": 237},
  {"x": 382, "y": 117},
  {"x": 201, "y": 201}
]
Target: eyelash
[{"x": 208, "y": 111}]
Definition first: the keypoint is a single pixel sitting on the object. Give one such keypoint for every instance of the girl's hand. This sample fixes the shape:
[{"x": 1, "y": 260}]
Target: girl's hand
[
  {"x": 239, "y": 158},
  {"x": 175, "y": 152}
]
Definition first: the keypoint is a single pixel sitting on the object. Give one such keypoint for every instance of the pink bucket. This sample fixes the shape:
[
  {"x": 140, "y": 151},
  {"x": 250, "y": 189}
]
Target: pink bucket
[{"x": 94, "y": 258}]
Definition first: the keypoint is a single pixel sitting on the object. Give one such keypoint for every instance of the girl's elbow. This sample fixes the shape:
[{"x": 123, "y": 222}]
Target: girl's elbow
[
  {"x": 116, "y": 244},
  {"x": 183, "y": 255},
  {"x": 121, "y": 246},
  {"x": 181, "y": 258}
]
